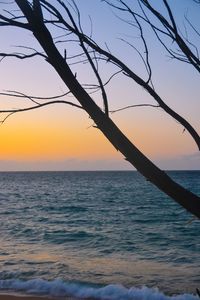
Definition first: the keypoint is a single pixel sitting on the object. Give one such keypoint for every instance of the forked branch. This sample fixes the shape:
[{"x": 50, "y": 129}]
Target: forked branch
[{"x": 36, "y": 23}]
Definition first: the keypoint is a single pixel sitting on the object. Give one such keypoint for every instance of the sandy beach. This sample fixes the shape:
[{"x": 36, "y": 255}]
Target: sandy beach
[{"x": 29, "y": 297}]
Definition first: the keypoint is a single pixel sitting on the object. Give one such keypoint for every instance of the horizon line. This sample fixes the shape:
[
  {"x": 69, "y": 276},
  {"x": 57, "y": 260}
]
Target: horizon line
[{"x": 106, "y": 170}]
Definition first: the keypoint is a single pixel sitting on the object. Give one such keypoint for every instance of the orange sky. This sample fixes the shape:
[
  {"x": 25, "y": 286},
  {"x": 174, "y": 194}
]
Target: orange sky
[
  {"x": 43, "y": 136},
  {"x": 61, "y": 132}
]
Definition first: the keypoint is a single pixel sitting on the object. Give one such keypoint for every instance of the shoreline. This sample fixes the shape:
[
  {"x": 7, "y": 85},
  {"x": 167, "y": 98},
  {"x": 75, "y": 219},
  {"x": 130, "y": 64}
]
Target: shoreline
[{"x": 16, "y": 296}]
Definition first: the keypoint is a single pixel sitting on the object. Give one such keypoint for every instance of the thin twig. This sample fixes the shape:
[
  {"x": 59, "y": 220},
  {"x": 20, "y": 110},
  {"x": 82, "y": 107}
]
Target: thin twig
[
  {"x": 132, "y": 106},
  {"x": 14, "y": 111}
]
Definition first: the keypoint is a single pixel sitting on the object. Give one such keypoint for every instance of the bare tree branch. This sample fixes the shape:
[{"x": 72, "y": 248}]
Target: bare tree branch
[
  {"x": 80, "y": 34},
  {"x": 33, "y": 13},
  {"x": 133, "y": 106},
  {"x": 174, "y": 34},
  {"x": 22, "y": 95},
  {"x": 11, "y": 22},
  {"x": 11, "y": 112},
  {"x": 21, "y": 55}
]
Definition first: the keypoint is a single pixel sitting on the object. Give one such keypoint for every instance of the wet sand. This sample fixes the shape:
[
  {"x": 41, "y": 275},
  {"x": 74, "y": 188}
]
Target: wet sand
[{"x": 29, "y": 297}]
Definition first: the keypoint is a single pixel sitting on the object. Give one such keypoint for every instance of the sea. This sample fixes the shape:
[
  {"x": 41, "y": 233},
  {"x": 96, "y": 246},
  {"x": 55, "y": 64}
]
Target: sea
[{"x": 107, "y": 235}]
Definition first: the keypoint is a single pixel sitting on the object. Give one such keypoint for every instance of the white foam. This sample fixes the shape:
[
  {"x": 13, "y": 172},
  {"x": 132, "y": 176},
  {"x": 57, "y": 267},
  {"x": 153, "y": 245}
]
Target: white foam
[{"x": 59, "y": 288}]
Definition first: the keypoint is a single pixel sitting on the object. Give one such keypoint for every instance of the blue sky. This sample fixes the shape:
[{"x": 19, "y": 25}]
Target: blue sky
[{"x": 63, "y": 138}]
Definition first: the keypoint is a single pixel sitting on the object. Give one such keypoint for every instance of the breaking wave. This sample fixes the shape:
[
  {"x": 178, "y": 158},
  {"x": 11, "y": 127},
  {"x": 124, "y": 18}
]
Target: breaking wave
[{"x": 59, "y": 288}]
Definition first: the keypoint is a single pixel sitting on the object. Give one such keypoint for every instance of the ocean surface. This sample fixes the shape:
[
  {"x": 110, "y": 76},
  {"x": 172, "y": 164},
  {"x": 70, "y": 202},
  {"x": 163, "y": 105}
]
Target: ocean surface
[{"x": 109, "y": 235}]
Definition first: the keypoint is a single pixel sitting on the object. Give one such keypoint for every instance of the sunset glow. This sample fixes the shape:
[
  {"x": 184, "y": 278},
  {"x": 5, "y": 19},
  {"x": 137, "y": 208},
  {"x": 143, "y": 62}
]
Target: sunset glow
[{"x": 60, "y": 133}]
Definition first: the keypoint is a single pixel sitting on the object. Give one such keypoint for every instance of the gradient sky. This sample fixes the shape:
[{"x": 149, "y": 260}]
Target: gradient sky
[{"x": 62, "y": 138}]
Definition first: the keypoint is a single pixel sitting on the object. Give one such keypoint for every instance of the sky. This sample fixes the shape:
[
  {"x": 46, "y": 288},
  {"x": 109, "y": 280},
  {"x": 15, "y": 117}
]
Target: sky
[{"x": 60, "y": 137}]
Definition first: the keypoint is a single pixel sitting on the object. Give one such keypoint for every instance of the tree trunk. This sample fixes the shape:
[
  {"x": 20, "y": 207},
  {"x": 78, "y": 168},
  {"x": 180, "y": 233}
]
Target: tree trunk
[{"x": 187, "y": 199}]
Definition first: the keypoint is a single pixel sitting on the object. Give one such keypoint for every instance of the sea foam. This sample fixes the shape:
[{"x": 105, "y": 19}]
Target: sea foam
[{"x": 59, "y": 288}]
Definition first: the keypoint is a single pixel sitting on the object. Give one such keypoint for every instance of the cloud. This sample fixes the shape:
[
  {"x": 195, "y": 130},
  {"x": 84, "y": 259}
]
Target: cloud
[
  {"x": 184, "y": 162},
  {"x": 71, "y": 164}
]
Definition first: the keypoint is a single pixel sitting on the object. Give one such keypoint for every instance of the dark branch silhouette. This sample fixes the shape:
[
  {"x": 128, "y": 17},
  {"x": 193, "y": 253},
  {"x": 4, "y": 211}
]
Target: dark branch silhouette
[
  {"x": 36, "y": 22},
  {"x": 109, "y": 57},
  {"x": 168, "y": 28},
  {"x": 132, "y": 106},
  {"x": 10, "y": 112}
]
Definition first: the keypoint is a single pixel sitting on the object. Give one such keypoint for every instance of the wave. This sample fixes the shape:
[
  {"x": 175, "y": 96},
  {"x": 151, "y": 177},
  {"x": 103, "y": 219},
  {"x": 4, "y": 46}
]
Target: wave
[{"x": 59, "y": 288}]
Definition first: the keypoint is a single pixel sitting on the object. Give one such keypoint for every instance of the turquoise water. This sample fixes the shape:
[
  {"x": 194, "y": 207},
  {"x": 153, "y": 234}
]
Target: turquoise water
[{"x": 110, "y": 235}]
